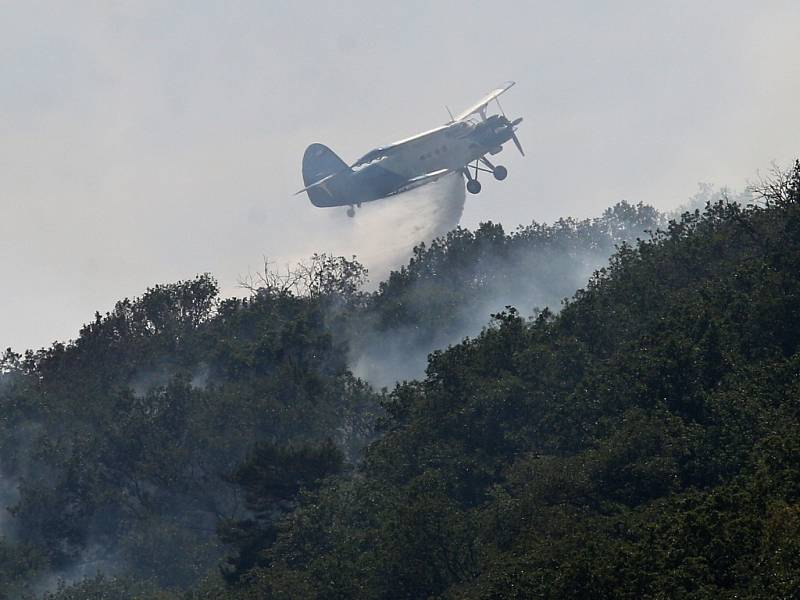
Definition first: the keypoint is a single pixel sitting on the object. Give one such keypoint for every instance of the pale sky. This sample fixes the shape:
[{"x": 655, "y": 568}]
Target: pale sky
[{"x": 145, "y": 142}]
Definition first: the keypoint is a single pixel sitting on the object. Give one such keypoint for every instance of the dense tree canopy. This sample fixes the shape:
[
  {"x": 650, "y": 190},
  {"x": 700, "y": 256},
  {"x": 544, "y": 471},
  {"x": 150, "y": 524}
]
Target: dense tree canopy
[
  {"x": 642, "y": 441},
  {"x": 125, "y": 444}
]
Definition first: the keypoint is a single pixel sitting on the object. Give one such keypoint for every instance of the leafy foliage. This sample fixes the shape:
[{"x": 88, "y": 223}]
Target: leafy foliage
[
  {"x": 643, "y": 442},
  {"x": 126, "y": 442},
  {"x": 272, "y": 477}
]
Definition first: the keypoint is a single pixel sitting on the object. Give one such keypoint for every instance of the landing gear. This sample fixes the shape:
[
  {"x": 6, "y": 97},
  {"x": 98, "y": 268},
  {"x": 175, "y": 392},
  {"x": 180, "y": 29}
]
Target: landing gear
[
  {"x": 351, "y": 212},
  {"x": 499, "y": 171},
  {"x": 473, "y": 186}
]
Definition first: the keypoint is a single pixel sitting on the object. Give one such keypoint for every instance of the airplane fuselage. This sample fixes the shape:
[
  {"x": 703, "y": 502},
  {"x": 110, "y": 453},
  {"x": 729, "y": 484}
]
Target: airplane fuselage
[
  {"x": 380, "y": 174},
  {"x": 461, "y": 146}
]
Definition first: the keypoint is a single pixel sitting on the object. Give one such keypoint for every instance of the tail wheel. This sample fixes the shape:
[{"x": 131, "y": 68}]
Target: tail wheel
[
  {"x": 500, "y": 172},
  {"x": 351, "y": 212},
  {"x": 473, "y": 186}
]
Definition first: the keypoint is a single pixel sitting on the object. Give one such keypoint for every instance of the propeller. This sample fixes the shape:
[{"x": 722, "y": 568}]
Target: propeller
[
  {"x": 514, "y": 137},
  {"x": 513, "y": 125}
]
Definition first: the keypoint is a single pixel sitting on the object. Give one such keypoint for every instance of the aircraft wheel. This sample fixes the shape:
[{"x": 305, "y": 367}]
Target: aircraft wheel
[
  {"x": 500, "y": 173},
  {"x": 351, "y": 212},
  {"x": 473, "y": 186}
]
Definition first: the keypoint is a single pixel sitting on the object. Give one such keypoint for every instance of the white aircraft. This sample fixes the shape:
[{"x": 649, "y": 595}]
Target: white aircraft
[{"x": 414, "y": 161}]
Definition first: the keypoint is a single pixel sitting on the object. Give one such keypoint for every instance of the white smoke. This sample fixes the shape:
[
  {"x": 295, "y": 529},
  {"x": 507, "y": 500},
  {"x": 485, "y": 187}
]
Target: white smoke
[{"x": 383, "y": 234}]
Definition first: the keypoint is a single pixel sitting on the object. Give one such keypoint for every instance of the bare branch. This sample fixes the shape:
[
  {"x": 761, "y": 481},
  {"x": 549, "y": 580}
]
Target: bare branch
[
  {"x": 776, "y": 187},
  {"x": 322, "y": 275}
]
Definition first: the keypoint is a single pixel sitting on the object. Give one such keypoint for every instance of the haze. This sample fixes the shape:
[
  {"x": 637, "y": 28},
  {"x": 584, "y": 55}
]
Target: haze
[{"x": 142, "y": 143}]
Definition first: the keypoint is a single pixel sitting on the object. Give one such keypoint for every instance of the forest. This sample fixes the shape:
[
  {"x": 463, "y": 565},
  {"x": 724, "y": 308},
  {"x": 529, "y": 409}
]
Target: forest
[{"x": 599, "y": 408}]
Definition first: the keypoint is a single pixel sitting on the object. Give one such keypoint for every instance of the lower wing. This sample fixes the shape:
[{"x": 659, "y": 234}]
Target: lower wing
[{"x": 421, "y": 180}]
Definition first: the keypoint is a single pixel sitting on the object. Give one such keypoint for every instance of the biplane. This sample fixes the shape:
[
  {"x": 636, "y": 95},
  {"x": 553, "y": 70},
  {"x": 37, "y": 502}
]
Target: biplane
[{"x": 459, "y": 146}]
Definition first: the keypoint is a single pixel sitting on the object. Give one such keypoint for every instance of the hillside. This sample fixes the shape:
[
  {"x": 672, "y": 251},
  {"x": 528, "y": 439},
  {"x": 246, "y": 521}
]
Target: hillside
[{"x": 640, "y": 441}]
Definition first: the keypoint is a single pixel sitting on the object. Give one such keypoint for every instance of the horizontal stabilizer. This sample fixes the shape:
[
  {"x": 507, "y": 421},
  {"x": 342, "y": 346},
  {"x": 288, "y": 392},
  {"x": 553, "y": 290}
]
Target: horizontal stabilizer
[{"x": 316, "y": 184}]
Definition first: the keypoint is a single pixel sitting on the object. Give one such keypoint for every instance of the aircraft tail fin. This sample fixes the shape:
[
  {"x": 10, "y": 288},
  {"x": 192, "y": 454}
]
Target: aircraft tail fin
[{"x": 320, "y": 168}]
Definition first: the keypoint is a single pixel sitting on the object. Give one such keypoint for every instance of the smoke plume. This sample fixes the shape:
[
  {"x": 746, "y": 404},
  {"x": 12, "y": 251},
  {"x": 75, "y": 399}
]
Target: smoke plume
[{"x": 383, "y": 234}]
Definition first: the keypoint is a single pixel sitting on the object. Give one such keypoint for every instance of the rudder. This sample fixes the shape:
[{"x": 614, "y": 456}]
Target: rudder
[{"x": 319, "y": 162}]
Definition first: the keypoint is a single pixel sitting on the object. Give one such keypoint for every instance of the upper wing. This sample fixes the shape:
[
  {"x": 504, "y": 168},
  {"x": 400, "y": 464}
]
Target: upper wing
[{"x": 480, "y": 106}]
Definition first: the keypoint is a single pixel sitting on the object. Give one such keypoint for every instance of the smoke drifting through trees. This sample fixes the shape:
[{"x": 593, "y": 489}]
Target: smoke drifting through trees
[
  {"x": 450, "y": 287},
  {"x": 154, "y": 406},
  {"x": 537, "y": 266}
]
